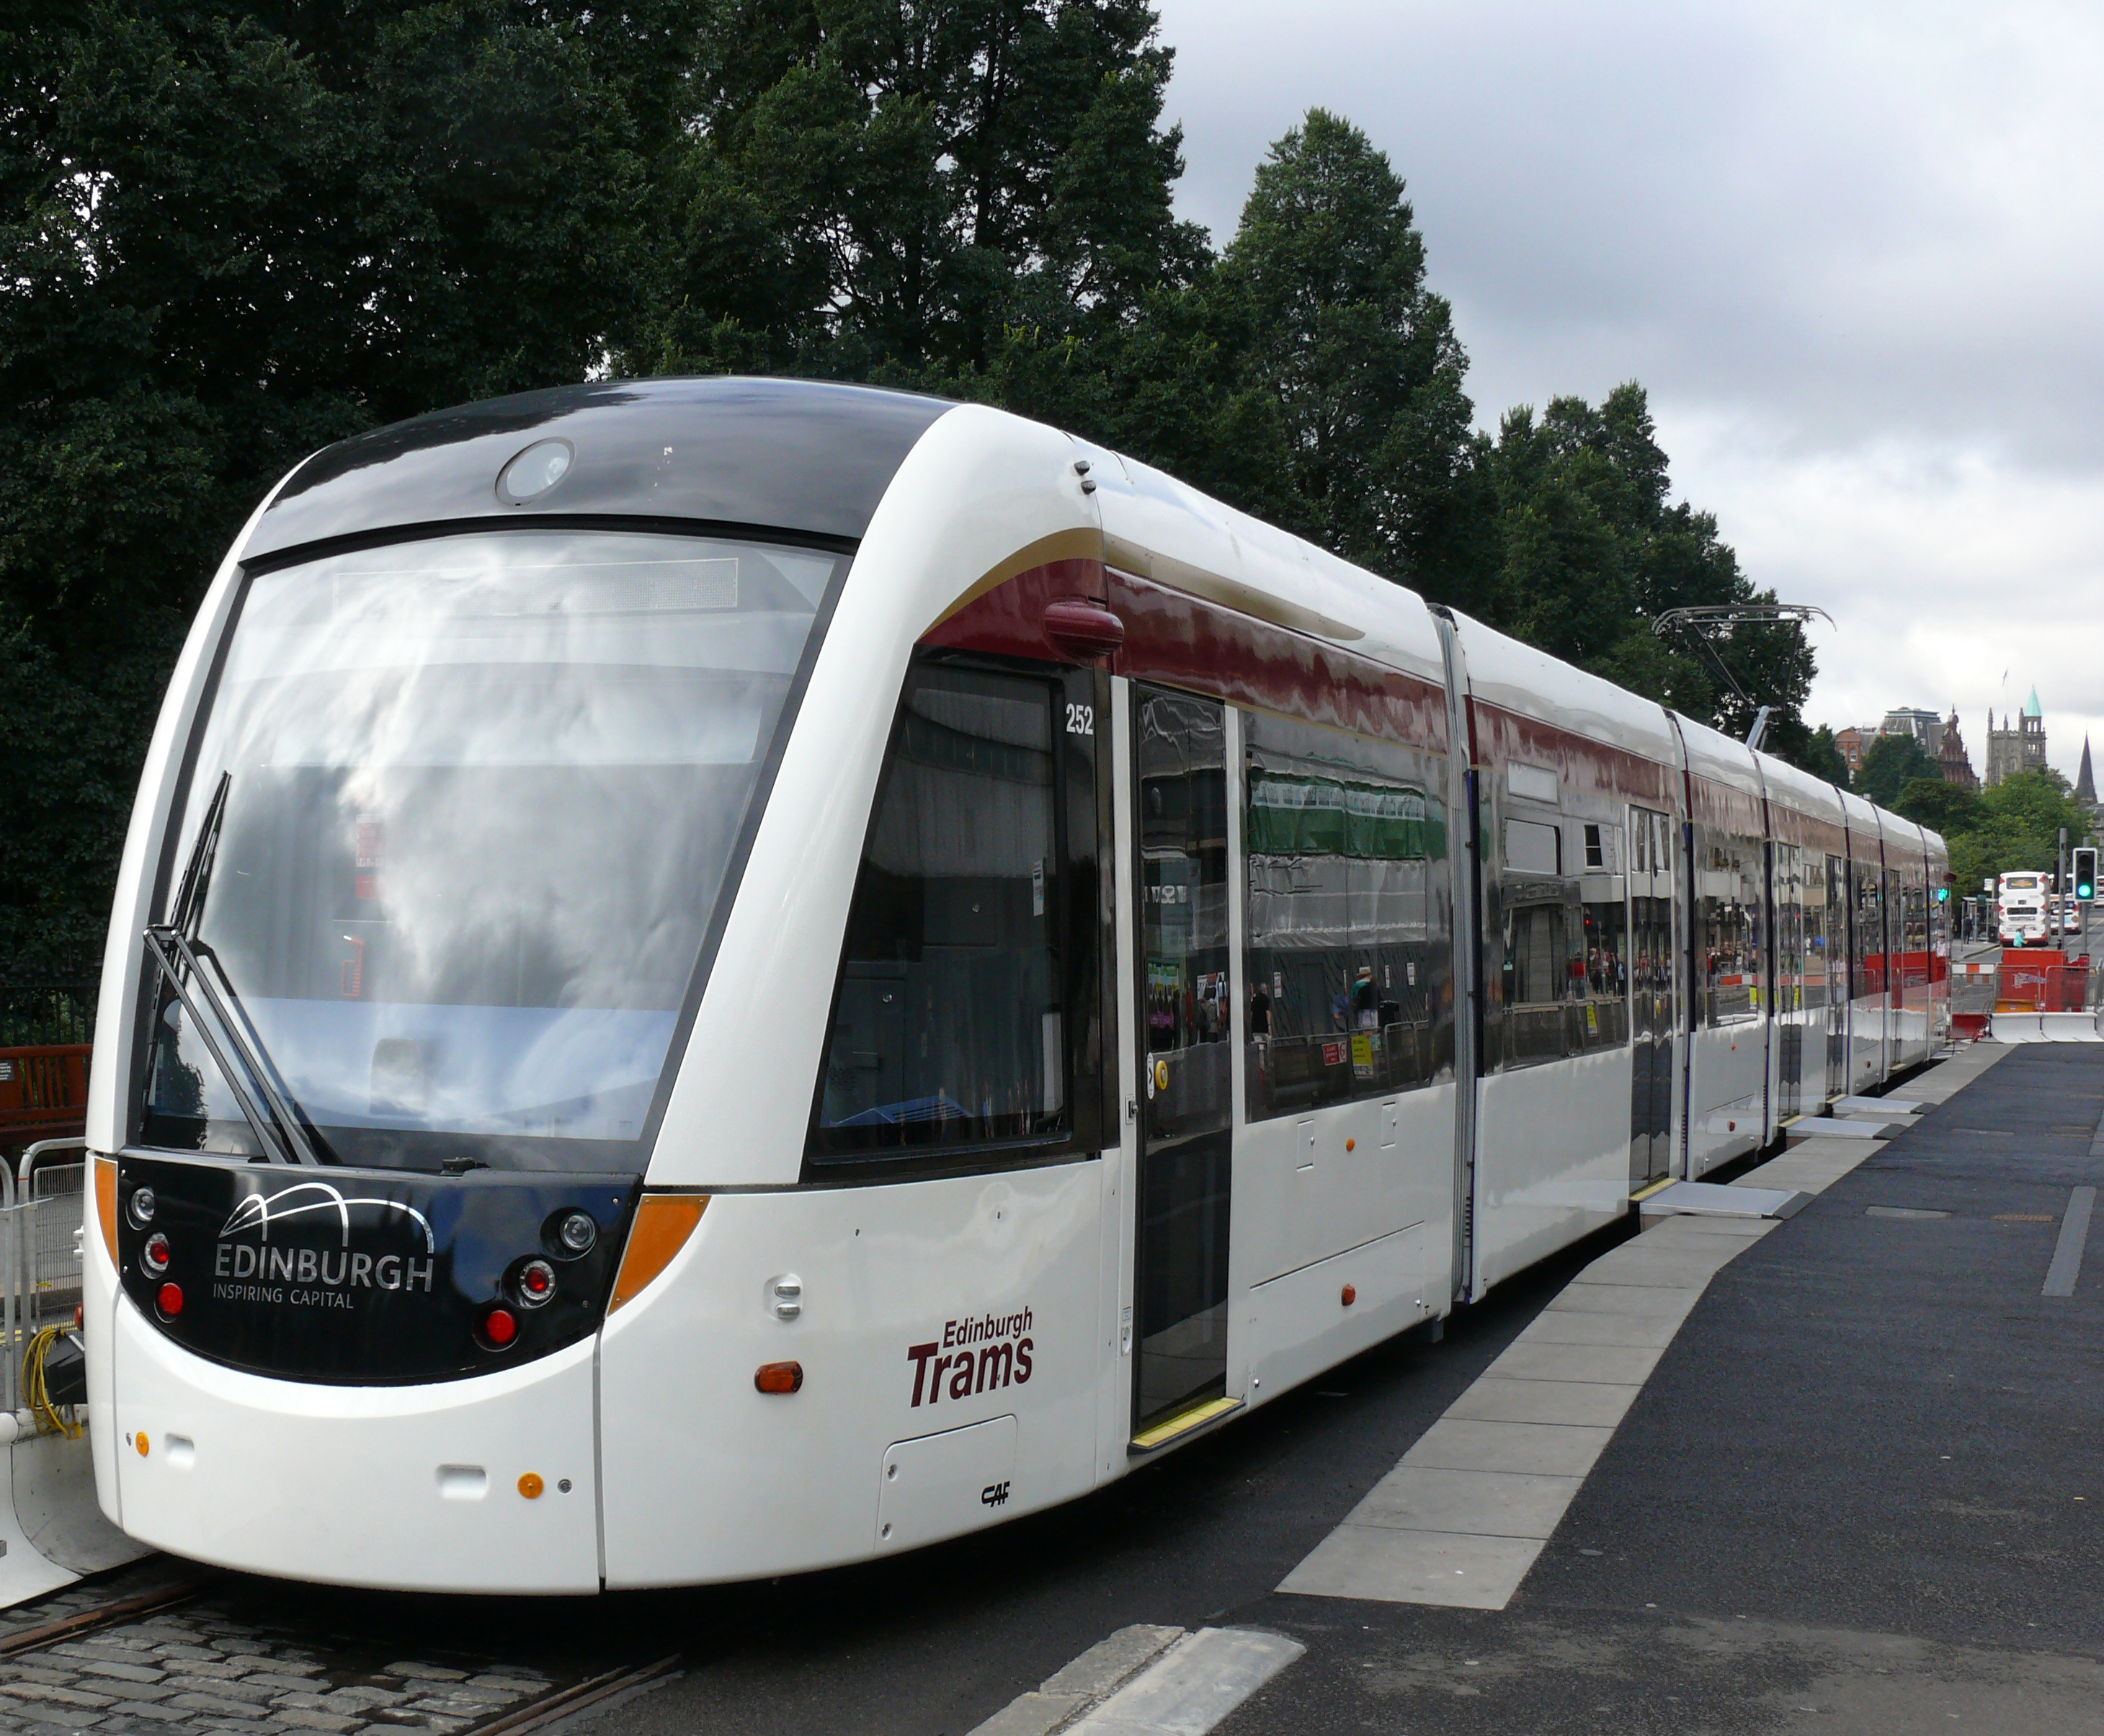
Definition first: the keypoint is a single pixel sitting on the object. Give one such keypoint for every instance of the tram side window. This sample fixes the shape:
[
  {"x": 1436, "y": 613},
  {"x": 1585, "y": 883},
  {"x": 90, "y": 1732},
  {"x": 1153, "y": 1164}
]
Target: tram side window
[
  {"x": 948, "y": 1027},
  {"x": 1348, "y": 959},
  {"x": 1564, "y": 934},
  {"x": 1868, "y": 957},
  {"x": 1727, "y": 936}
]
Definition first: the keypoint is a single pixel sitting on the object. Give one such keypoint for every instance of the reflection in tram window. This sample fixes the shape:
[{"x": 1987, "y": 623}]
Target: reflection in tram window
[
  {"x": 1351, "y": 994},
  {"x": 1728, "y": 965},
  {"x": 1564, "y": 982},
  {"x": 949, "y": 1028},
  {"x": 481, "y": 793}
]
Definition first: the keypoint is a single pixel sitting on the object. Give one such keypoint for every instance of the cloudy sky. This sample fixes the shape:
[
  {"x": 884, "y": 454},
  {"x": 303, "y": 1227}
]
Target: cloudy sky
[{"x": 1856, "y": 253}]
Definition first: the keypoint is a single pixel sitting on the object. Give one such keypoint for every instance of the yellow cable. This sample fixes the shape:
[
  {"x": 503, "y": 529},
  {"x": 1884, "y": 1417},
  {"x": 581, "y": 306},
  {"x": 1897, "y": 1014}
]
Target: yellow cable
[{"x": 48, "y": 1420}]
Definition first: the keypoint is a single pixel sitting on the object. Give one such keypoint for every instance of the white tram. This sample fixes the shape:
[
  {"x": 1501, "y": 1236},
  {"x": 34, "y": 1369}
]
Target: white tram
[{"x": 715, "y": 977}]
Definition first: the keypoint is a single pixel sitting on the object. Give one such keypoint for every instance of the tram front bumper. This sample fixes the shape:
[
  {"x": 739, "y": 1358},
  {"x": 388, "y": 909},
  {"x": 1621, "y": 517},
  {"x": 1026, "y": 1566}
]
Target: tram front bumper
[{"x": 482, "y": 1485}]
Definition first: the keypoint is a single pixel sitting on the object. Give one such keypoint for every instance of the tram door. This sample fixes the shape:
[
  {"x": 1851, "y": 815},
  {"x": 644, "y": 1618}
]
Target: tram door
[
  {"x": 1180, "y": 1289},
  {"x": 1651, "y": 994}
]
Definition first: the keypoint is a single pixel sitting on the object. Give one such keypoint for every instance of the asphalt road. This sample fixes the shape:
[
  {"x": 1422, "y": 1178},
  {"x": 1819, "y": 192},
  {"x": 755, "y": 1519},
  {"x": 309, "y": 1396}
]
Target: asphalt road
[{"x": 1863, "y": 1493}]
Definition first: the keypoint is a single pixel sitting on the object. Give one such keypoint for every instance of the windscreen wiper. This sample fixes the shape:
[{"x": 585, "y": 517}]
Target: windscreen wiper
[{"x": 279, "y": 1128}]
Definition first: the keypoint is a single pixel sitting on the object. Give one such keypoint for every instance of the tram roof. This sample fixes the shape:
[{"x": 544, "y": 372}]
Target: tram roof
[{"x": 805, "y": 457}]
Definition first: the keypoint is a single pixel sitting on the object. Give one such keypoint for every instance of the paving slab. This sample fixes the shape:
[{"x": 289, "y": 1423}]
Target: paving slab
[
  {"x": 1589, "y": 1403},
  {"x": 1567, "y": 1326},
  {"x": 1486, "y": 1503},
  {"x": 1539, "y": 1449},
  {"x": 1607, "y": 1364},
  {"x": 1461, "y": 1571}
]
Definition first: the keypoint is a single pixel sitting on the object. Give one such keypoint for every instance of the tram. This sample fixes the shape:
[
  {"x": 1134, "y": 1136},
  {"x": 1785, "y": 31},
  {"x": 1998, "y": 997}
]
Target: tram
[{"x": 715, "y": 977}]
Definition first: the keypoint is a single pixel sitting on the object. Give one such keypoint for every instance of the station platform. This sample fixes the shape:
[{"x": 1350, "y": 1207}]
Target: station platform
[{"x": 1841, "y": 1471}]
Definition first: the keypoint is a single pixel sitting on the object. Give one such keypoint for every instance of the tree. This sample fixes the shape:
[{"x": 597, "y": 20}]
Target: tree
[
  {"x": 865, "y": 188},
  {"x": 1325, "y": 280},
  {"x": 232, "y": 232},
  {"x": 2015, "y": 827},
  {"x": 1930, "y": 801},
  {"x": 1891, "y": 763},
  {"x": 1814, "y": 751},
  {"x": 1588, "y": 550}
]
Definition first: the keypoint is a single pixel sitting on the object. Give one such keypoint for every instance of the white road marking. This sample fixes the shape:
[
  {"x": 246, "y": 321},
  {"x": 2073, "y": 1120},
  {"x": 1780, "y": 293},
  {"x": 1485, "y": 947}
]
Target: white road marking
[
  {"x": 2066, "y": 1265},
  {"x": 1192, "y": 1685},
  {"x": 1149, "y": 1681}
]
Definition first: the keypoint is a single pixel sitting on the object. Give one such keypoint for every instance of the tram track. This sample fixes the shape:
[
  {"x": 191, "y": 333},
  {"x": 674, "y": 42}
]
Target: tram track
[
  {"x": 83, "y": 1622},
  {"x": 598, "y": 1693},
  {"x": 196, "y": 1655}
]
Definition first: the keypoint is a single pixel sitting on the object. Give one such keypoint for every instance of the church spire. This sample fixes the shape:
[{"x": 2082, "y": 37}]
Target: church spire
[{"x": 2085, "y": 783}]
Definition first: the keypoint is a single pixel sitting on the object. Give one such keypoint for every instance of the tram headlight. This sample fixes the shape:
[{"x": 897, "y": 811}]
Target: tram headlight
[
  {"x": 141, "y": 1207},
  {"x": 577, "y": 1232},
  {"x": 534, "y": 472},
  {"x": 154, "y": 1255}
]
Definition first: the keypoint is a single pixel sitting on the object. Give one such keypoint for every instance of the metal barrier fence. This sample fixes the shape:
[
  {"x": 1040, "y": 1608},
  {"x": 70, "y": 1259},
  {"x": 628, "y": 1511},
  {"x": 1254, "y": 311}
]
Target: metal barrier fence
[{"x": 41, "y": 1203}]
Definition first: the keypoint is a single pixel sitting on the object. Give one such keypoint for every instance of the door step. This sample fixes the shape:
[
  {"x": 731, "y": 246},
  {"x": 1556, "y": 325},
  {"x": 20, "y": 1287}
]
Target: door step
[{"x": 1177, "y": 1426}]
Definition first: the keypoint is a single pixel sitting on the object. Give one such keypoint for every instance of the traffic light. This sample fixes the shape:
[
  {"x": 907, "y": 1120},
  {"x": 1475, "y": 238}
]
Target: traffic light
[{"x": 2086, "y": 873}]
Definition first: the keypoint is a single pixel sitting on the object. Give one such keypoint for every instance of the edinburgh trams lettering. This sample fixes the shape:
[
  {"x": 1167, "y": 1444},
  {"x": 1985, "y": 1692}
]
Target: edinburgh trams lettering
[{"x": 972, "y": 1356}]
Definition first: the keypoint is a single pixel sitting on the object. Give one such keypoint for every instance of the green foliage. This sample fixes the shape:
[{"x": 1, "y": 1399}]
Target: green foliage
[
  {"x": 2014, "y": 827},
  {"x": 1590, "y": 551},
  {"x": 235, "y": 230},
  {"x": 232, "y": 234},
  {"x": 1891, "y": 764},
  {"x": 1814, "y": 751},
  {"x": 1943, "y": 807}
]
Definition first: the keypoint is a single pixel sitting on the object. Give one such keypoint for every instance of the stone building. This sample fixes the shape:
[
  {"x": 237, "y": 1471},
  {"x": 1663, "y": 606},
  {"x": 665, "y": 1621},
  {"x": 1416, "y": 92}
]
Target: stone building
[
  {"x": 1951, "y": 759},
  {"x": 2021, "y": 749},
  {"x": 1925, "y": 727}
]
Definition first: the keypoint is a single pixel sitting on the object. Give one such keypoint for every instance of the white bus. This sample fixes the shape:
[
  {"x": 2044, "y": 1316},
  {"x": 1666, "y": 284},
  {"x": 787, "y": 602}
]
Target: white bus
[{"x": 2020, "y": 909}]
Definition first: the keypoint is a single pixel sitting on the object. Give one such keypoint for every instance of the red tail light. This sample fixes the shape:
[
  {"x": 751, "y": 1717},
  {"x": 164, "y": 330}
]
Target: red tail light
[
  {"x": 170, "y": 1300},
  {"x": 500, "y": 1326}
]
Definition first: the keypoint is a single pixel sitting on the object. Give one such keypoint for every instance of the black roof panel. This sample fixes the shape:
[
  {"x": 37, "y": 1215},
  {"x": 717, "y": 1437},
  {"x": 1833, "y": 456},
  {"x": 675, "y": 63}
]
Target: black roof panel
[{"x": 803, "y": 455}]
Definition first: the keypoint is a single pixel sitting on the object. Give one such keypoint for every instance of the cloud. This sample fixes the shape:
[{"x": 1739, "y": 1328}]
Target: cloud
[{"x": 1856, "y": 254}]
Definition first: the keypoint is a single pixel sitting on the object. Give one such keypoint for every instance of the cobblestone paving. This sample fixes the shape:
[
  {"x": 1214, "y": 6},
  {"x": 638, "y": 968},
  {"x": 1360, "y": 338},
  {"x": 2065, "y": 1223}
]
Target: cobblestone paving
[{"x": 256, "y": 1657}]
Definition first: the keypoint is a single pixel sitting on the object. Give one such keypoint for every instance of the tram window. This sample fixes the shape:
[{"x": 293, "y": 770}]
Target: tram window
[
  {"x": 949, "y": 1025},
  {"x": 482, "y": 796},
  {"x": 1350, "y": 985},
  {"x": 1868, "y": 956},
  {"x": 1728, "y": 936},
  {"x": 1563, "y": 940}
]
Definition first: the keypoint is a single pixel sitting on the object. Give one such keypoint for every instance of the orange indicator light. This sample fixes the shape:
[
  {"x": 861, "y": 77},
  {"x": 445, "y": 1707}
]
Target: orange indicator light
[
  {"x": 105, "y": 1203},
  {"x": 779, "y": 1378},
  {"x": 143, "y": 1444},
  {"x": 530, "y": 1485},
  {"x": 1351, "y": 1144},
  {"x": 663, "y": 1222},
  {"x": 1351, "y": 1295}
]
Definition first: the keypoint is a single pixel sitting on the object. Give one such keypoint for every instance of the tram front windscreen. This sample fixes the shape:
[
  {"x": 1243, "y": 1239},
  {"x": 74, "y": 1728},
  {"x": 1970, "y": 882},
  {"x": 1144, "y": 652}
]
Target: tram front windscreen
[{"x": 479, "y": 798}]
